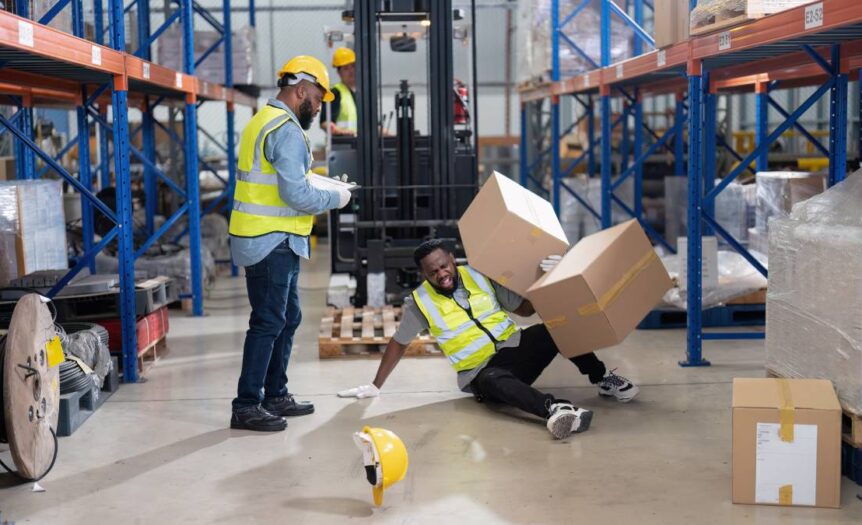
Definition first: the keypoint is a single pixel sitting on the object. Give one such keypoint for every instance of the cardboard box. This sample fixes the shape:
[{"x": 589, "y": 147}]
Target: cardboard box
[
  {"x": 786, "y": 442},
  {"x": 709, "y": 262},
  {"x": 601, "y": 289},
  {"x": 508, "y": 230},
  {"x": 671, "y": 22},
  {"x": 7, "y": 168}
]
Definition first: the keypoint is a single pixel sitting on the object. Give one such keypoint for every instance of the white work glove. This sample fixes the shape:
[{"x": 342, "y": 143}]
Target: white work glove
[
  {"x": 344, "y": 196},
  {"x": 550, "y": 262},
  {"x": 343, "y": 178},
  {"x": 361, "y": 392}
]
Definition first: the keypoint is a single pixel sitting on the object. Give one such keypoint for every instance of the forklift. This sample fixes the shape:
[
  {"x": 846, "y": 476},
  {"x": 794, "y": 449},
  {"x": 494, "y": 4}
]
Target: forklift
[{"x": 414, "y": 186}]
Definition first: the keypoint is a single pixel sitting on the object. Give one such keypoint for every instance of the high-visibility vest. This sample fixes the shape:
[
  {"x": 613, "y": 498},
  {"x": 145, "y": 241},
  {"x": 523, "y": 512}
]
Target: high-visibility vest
[
  {"x": 257, "y": 206},
  {"x": 458, "y": 332},
  {"x": 347, "y": 116}
]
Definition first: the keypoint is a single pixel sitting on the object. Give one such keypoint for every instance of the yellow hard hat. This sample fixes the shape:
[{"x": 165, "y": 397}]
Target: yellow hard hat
[
  {"x": 385, "y": 458},
  {"x": 343, "y": 56},
  {"x": 311, "y": 67}
]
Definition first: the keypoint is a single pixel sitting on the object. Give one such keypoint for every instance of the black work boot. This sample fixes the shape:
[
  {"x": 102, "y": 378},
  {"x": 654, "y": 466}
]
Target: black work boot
[
  {"x": 257, "y": 419},
  {"x": 286, "y": 406}
]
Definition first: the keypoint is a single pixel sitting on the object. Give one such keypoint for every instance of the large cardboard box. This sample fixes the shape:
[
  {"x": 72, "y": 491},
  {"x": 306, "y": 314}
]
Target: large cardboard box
[
  {"x": 508, "y": 230},
  {"x": 601, "y": 290},
  {"x": 786, "y": 442},
  {"x": 671, "y": 22}
]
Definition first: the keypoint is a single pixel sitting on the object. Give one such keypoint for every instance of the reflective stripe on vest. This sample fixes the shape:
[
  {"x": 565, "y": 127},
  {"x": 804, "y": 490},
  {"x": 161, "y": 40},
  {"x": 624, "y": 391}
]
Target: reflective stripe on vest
[
  {"x": 257, "y": 206},
  {"x": 462, "y": 341},
  {"x": 347, "y": 117}
]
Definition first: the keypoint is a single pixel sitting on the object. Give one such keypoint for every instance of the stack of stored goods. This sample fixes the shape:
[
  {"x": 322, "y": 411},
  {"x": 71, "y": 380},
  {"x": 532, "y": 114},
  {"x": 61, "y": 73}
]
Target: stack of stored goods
[
  {"x": 712, "y": 15},
  {"x": 777, "y": 193},
  {"x": 212, "y": 68},
  {"x": 815, "y": 291},
  {"x": 32, "y": 228},
  {"x": 734, "y": 209},
  {"x": 535, "y": 51}
]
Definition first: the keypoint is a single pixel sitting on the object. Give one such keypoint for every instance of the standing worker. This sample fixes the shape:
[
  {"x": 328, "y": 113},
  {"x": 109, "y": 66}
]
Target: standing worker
[
  {"x": 494, "y": 359},
  {"x": 343, "y": 106},
  {"x": 274, "y": 205}
]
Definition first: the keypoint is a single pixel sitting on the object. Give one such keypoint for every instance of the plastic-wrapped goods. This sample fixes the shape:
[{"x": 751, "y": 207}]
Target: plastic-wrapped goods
[
  {"x": 675, "y": 208},
  {"x": 32, "y": 228},
  {"x": 625, "y": 192},
  {"x": 177, "y": 266},
  {"x": 89, "y": 346},
  {"x": 733, "y": 212},
  {"x": 779, "y": 191},
  {"x": 214, "y": 235},
  {"x": 736, "y": 278},
  {"x": 572, "y": 212},
  {"x": 535, "y": 43},
  {"x": 212, "y": 68},
  {"x": 813, "y": 319}
]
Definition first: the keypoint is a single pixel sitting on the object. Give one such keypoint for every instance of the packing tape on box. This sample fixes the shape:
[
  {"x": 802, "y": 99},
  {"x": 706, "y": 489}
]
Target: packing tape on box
[
  {"x": 785, "y": 411},
  {"x": 504, "y": 277},
  {"x": 618, "y": 287},
  {"x": 785, "y": 495},
  {"x": 611, "y": 295}
]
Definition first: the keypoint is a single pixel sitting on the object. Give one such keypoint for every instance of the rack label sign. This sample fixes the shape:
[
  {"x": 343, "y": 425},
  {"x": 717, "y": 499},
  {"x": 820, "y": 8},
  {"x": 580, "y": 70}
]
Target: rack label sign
[
  {"x": 619, "y": 71},
  {"x": 96, "y": 56},
  {"x": 724, "y": 41},
  {"x": 25, "y": 33},
  {"x": 813, "y": 16},
  {"x": 179, "y": 81},
  {"x": 587, "y": 80},
  {"x": 146, "y": 71},
  {"x": 661, "y": 58}
]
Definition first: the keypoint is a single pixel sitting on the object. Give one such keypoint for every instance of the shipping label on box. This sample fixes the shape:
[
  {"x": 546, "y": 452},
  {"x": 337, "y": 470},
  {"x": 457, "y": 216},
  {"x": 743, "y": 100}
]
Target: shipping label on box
[
  {"x": 508, "y": 230},
  {"x": 601, "y": 290},
  {"x": 786, "y": 442}
]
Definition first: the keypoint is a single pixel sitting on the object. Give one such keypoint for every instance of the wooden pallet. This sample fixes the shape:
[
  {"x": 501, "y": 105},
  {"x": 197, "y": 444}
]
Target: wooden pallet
[
  {"x": 364, "y": 333},
  {"x": 721, "y": 23},
  {"x": 851, "y": 421},
  {"x": 149, "y": 355}
]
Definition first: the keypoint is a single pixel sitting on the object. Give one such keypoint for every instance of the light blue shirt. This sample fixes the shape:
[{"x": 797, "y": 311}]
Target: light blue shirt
[{"x": 286, "y": 149}]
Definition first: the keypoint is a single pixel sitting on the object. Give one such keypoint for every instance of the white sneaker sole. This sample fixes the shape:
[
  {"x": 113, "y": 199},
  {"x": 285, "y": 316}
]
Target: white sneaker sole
[
  {"x": 560, "y": 426},
  {"x": 622, "y": 397}
]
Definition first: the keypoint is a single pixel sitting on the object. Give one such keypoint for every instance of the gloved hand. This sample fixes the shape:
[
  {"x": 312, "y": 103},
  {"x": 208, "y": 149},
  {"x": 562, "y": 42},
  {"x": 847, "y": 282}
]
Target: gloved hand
[
  {"x": 344, "y": 196},
  {"x": 550, "y": 262},
  {"x": 343, "y": 178},
  {"x": 361, "y": 392}
]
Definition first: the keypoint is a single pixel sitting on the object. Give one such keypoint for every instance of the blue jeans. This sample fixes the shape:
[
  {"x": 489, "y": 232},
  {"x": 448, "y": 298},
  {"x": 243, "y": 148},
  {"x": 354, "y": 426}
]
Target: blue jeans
[{"x": 275, "y": 315}]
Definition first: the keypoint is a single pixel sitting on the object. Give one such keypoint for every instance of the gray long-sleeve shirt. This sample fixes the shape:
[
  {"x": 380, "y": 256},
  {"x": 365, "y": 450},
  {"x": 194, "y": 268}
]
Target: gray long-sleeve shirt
[
  {"x": 285, "y": 148},
  {"x": 413, "y": 321}
]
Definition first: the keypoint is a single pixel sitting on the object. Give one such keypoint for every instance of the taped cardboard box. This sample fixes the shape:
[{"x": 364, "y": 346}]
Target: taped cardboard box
[
  {"x": 508, "y": 230},
  {"x": 786, "y": 442},
  {"x": 601, "y": 290}
]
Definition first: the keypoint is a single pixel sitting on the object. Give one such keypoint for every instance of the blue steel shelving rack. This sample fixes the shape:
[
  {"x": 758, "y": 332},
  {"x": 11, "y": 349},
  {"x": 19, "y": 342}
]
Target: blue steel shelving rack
[
  {"x": 82, "y": 73},
  {"x": 817, "y": 44},
  {"x": 597, "y": 83}
]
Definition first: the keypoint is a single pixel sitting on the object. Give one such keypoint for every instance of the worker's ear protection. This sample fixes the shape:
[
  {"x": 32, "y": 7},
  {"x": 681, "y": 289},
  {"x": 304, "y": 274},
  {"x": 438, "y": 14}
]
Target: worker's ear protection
[{"x": 285, "y": 79}]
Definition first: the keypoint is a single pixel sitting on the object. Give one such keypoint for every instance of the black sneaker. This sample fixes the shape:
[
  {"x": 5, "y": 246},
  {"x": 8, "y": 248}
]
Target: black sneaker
[
  {"x": 257, "y": 419},
  {"x": 287, "y": 406}
]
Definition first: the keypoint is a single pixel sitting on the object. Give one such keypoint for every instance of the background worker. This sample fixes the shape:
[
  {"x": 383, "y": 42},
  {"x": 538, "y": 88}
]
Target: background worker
[
  {"x": 494, "y": 359},
  {"x": 273, "y": 211},
  {"x": 343, "y": 106}
]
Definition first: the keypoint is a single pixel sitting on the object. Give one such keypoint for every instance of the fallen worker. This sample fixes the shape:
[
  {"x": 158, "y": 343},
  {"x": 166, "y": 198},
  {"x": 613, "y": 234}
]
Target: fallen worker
[{"x": 494, "y": 359}]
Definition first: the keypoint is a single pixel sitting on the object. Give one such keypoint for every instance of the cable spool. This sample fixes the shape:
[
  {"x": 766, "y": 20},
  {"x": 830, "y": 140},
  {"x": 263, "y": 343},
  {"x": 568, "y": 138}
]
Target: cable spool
[
  {"x": 73, "y": 328},
  {"x": 30, "y": 388}
]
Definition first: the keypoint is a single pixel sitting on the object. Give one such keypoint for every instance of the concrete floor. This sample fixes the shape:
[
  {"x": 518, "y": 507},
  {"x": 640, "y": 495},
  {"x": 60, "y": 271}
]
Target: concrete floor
[{"x": 160, "y": 451}]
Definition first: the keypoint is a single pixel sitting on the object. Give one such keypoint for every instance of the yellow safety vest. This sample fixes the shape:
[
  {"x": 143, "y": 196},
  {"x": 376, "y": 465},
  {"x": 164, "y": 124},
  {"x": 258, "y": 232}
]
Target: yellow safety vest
[
  {"x": 457, "y": 332},
  {"x": 257, "y": 206},
  {"x": 347, "y": 116}
]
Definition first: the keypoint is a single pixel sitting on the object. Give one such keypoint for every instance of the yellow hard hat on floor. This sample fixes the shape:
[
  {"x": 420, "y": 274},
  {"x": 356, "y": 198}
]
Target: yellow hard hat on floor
[
  {"x": 343, "y": 56},
  {"x": 310, "y": 66},
  {"x": 385, "y": 458}
]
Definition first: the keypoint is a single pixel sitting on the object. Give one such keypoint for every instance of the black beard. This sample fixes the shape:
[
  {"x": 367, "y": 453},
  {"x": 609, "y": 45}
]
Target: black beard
[
  {"x": 306, "y": 115},
  {"x": 449, "y": 293}
]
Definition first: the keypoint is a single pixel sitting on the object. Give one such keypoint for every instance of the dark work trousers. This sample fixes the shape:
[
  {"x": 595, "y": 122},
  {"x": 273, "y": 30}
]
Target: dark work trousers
[{"x": 509, "y": 374}]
